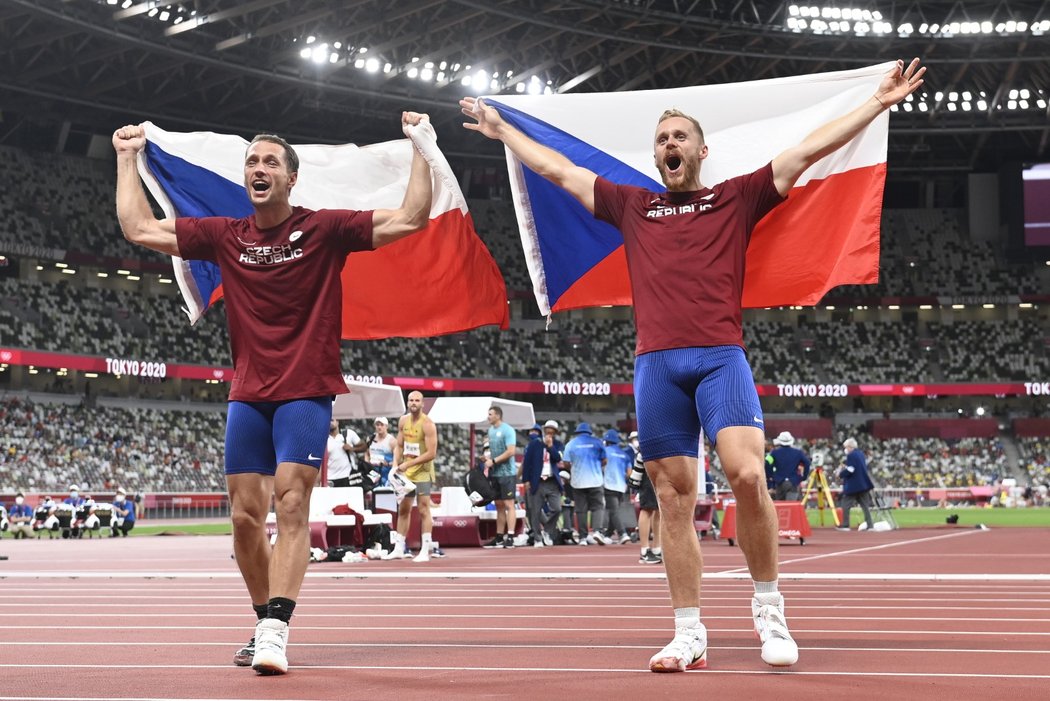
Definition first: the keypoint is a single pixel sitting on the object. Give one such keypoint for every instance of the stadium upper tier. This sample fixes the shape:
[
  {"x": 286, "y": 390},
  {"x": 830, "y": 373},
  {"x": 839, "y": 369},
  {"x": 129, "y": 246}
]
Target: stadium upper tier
[
  {"x": 70, "y": 318},
  {"x": 64, "y": 204}
]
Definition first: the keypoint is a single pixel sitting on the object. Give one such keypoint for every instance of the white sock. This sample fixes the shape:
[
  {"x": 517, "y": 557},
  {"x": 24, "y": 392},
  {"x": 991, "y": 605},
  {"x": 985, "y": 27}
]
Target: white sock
[
  {"x": 766, "y": 587},
  {"x": 425, "y": 544},
  {"x": 688, "y": 617},
  {"x": 645, "y": 550},
  {"x": 658, "y": 551}
]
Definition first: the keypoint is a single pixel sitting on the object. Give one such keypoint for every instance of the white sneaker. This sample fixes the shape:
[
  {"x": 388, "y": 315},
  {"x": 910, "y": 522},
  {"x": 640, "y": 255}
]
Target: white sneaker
[
  {"x": 778, "y": 647},
  {"x": 602, "y": 539},
  {"x": 423, "y": 556},
  {"x": 625, "y": 539},
  {"x": 687, "y": 650},
  {"x": 547, "y": 539},
  {"x": 271, "y": 639},
  {"x": 397, "y": 553}
]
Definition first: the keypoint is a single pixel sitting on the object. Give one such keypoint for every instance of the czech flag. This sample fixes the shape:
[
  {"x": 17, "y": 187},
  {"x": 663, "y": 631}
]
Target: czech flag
[
  {"x": 826, "y": 234},
  {"x": 438, "y": 281}
]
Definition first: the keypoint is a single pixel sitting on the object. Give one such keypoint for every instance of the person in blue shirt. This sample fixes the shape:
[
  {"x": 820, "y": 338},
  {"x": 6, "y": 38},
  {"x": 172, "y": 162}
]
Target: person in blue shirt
[
  {"x": 585, "y": 456},
  {"x": 856, "y": 484},
  {"x": 618, "y": 464},
  {"x": 543, "y": 488},
  {"x": 123, "y": 514},
  {"x": 503, "y": 471},
  {"x": 75, "y": 501},
  {"x": 20, "y": 517},
  {"x": 786, "y": 468}
]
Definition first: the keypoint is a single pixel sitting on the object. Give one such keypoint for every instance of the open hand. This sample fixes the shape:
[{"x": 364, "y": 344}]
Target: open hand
[
  {"x": 900, "y": 82},
  {"x": 486, "y": 119}
]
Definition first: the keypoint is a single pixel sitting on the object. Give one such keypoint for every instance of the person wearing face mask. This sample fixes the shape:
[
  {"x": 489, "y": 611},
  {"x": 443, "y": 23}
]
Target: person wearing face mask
[
  {"x": 123, "y": 514},
  {"x": 74, "y": 502}
]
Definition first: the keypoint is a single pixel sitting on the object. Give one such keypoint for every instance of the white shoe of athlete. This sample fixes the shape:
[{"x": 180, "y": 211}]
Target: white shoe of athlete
[
  {"x": 687, "y": 650},
  {"x": 778, "y": 647},
  {"x": 271, "y": 640}
]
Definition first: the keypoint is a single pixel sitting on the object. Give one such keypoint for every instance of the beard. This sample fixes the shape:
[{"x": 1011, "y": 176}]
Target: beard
[{"x": 686, "y": 178}]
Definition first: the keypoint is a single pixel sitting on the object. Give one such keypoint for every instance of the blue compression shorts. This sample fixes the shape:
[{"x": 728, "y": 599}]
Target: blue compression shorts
[
  {"x": 262, "y": 435},
  {"x": 681, "y": 390}
]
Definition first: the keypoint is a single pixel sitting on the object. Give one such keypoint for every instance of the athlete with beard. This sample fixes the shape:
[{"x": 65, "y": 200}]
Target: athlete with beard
[
  {"x": 685, "y": 252},
  {"x": 281, "y": 282}
]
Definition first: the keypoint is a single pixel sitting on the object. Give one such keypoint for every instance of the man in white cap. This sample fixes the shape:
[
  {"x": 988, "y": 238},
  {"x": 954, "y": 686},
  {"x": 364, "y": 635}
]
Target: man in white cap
[
  {"x": 786, "y": 468},
  {"x": 123, "y": 513}
]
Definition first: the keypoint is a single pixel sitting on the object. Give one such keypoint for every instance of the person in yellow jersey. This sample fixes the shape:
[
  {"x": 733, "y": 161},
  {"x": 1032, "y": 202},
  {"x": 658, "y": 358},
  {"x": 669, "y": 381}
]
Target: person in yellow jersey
[{"x": 414, "y": 454}]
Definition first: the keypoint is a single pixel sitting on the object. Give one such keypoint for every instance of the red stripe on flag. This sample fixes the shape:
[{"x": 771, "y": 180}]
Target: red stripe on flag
[
  {"x": 826, "y": 234},
  {"x": 441, "y": 280},
  {"x": 606, "y": 283}
]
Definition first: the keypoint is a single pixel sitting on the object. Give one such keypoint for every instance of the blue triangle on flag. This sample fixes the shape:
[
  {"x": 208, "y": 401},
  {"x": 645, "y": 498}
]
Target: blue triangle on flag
[{"x": 571, "y": 240}]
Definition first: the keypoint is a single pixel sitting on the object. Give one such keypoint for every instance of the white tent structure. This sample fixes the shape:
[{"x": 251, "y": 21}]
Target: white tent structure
[{"x": 364, "y": 400}]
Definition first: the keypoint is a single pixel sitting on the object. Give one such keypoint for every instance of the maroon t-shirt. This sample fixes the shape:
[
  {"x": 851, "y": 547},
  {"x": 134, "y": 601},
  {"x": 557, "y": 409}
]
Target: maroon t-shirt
[
  {"x": 685, "y": 253},
  {"x": 283, "y": 295}
]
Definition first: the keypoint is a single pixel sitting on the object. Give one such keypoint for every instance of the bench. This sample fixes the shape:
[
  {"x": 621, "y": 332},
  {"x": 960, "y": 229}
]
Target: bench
[{"x": 328, "y": 529}]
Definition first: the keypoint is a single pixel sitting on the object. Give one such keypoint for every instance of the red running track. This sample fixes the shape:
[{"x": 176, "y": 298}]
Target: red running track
[{"x": 927, "y": 614}]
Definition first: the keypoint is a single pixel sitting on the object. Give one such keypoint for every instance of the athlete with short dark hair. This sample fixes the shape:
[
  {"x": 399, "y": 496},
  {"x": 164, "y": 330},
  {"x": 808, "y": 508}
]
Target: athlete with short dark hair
[{"x": 281, "y": 282}]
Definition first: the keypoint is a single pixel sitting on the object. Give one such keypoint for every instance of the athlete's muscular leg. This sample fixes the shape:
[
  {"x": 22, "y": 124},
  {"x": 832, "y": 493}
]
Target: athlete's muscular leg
[
  {"x": 741, "y": 449},
  {"x": 404, "y": 515},
  {"x": 249, "y": 503},
  {"x": 292, "y": 486},
  {"x": 426, "y": 521},
  {"x": 674, "y": 479}
]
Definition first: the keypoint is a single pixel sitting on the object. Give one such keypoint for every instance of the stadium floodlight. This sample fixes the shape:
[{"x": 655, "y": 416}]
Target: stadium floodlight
[
  {"x": 387, "y": 67},
  {"x": 372, "y": 65},
  {"x": 412, "y": 72},
  {"x": 982, "y": 105},
  {"x": 480, "y": 81},
  {"x": 980, "y": 410},
  {"x": 311, "y": 39},
  {"x": 320, "y": 53},
  {"x": 1011, "y": 105},
  {"x": 333, "y": 57},
  {"x": 427, "y": 74},
  {"x": 1023, "y": 104}
]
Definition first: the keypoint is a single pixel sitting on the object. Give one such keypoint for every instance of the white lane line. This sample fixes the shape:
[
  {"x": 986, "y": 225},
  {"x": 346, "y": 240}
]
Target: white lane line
[
  {"x": 868, "y": 549},
  {"x": 544, "y": 646},
  {"x": 471, "y": 616},
  {"x": 735, "y": 574},
  {"x": 591, "y": 629},
  {"x": 401, "y": 670},
  {"x": 502, "y": 603}
]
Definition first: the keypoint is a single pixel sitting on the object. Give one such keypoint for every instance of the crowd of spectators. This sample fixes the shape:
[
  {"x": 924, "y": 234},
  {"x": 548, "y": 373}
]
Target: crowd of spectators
[
  {"x": 62, "y": 202},
  {"x": 1035, "y": 458},
  {"x": 47, "y": 446},
  {"x": 65, "y": 317}
]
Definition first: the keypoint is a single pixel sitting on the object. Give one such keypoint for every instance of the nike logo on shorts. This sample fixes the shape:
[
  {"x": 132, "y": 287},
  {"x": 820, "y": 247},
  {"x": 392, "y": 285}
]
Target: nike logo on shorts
[
  {"x": 311, "y": 456},
  {"x": 757, "y": 420}
]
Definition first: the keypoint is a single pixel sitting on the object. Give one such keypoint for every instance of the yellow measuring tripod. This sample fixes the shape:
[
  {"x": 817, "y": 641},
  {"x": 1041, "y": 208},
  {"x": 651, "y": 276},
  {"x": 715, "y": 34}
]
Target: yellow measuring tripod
[{"x": 819, "y": 482}]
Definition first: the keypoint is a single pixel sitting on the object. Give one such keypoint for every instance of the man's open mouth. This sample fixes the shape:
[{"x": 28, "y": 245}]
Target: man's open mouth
[
  {"x": 673, "y": 163},
  {"x": 260, "y": 186}
]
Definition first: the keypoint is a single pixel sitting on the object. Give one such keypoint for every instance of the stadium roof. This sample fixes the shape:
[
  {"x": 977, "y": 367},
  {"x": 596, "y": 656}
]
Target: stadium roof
[{"x": 317, "y": 70}]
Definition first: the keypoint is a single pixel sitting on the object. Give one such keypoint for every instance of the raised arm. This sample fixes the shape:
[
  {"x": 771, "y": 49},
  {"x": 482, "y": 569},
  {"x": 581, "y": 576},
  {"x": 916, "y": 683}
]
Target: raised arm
[
  {"x": 577, "y": 181},
  {"x": 133, "y": 210},
  {"x": 389, "y": 225},
  {"x": 897, "y": 84}
]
